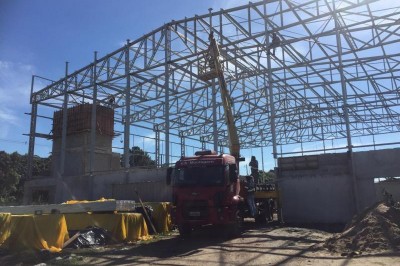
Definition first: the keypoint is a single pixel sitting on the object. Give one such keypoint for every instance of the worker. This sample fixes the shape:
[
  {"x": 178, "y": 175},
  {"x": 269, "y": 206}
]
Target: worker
[
  {"x": 251, "y": 189},
  {"x": 276, "y": 42},
  {"x": 254, "y": 168},
  {"x": 271, "y": 204}
]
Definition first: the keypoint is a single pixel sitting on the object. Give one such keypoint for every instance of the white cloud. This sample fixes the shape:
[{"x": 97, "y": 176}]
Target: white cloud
[
  {"x": 8, "y": 116},
  {"x": 15, "y": 84},
  {"x": 228, "y": 4}
]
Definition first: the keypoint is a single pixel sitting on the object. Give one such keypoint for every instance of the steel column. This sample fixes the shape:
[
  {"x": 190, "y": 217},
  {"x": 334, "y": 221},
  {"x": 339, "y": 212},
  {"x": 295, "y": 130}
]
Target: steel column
[
  {"x": 166, "y": 90},
  {"x": 157, "y": 145},
  {"x": 93, "y": 117},
  {"x": 32, "y": 132},
  {"x": 64, "y": 123},
  {"x": 270, "y": 90},
  {"x": 342, "y": 80},
  {"x": 345, "y": 110},
  {"x": 127, "y": 108}
]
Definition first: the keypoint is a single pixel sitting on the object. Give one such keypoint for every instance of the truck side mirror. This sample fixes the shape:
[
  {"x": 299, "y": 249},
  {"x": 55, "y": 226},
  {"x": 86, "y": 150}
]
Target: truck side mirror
[
  {"x": 169, "y": 173},
  {"x": 232, "y": 173}
]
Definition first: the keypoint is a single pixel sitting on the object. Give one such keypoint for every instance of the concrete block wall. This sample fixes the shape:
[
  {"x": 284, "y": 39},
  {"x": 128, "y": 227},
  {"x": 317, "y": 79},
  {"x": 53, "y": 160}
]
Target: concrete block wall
[
  {"x": 325, "y": 194},
  {"x": 319, "y": 195},
  {"x": 316, "y": 199},
  {"x": 379, "y": 163}
]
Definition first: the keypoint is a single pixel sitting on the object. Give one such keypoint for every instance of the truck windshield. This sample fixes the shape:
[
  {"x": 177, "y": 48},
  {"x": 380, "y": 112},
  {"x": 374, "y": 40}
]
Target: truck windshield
[{"x": 199, "y": 176}]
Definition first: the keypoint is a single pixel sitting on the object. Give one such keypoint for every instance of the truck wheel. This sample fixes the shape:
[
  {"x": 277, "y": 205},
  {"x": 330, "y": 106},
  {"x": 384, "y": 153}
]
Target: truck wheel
[
  {"x": 235, "y": 228},
  {"x": 263, "y": 211},
  {"x": 184, "y": 230},
  {"x": 261, "y": 218}
]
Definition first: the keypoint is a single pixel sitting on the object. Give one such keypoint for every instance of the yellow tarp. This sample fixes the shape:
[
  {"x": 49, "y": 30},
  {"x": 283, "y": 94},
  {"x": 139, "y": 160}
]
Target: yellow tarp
[
  {"x": 35, "y": 232},
  {"x": 123, "y": 226},
  {"x": 161, "y": 213},
  {"x": 161, "y": 216},
  {"x": 5, "y": 221},
  {"x": 51, "y": 231}
]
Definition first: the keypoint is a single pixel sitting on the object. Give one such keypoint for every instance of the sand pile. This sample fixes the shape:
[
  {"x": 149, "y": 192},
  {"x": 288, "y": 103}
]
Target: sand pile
[{"x": 376, "y": 229}]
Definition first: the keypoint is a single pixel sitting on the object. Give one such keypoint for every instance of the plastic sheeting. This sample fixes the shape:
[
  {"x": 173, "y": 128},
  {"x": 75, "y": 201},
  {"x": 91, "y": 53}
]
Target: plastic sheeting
[
  {"x": 122, "y": 226},
  {"x": 92, "y": 236},
  {"x": 38, "y": 232}
]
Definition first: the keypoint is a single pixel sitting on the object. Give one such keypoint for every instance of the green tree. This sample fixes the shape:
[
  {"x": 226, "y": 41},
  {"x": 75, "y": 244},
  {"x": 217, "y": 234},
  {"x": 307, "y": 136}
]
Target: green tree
[
  {"x": 9, "y": 178},
  {"x": 138, "y": 157},
  {"x": 267, "y": 176},
  {"x": 13, "y": 169}
]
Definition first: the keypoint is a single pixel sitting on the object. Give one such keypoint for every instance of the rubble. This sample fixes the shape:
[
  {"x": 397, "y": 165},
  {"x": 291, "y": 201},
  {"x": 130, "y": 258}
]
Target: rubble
[{"x": 377, "y": 229}]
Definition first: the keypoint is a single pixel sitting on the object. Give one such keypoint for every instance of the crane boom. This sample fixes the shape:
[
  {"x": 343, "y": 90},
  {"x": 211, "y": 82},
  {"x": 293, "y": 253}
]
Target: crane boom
[{"x": 215, "y": 71}]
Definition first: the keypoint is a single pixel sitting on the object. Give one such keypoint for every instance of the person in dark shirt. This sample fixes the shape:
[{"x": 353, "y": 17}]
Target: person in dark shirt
[
  {"x": 276, "y": 42},
  {"x": 251, "y": 189},
  {"x": 254, "y": 168}
]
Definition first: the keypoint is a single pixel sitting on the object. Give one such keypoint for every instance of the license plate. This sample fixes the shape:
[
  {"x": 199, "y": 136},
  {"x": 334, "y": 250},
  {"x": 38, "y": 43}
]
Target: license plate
[{"x": 196, "y": 214}]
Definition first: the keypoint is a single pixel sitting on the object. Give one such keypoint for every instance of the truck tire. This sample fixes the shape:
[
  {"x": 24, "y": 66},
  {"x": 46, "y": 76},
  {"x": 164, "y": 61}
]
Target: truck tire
[
  {"x": 184, "y": 230},
  {"x": 263, "y": 212},
  {"x": 261, "y": 218},
  {"x": 234, "y": 229}
]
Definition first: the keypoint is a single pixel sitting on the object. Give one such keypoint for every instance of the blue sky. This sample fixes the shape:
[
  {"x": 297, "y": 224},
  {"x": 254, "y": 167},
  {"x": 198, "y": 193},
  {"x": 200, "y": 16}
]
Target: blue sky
[{"x": 37, "y": 37}]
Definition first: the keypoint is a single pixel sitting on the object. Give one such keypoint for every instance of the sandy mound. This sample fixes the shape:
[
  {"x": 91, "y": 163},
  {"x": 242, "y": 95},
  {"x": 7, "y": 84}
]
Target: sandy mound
[{"x": 376, "y": 229}]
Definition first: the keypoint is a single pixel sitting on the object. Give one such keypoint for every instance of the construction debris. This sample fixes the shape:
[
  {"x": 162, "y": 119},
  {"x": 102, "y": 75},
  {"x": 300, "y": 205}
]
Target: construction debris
[
  {"x": 92, "y": 236},
  {"x": 377, "y": 229}
]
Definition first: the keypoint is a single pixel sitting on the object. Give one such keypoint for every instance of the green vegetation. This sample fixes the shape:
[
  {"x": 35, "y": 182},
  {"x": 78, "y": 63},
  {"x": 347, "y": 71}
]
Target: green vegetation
[
  {"x": 267, "y": 176},
  {"x": 138, "y": 157},
  {"x": 13, "y": 169}
]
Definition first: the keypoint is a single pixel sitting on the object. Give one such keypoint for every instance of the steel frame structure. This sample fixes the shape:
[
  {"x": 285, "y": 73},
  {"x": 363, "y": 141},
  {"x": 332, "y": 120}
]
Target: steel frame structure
[{"x": 335, "y": 75}]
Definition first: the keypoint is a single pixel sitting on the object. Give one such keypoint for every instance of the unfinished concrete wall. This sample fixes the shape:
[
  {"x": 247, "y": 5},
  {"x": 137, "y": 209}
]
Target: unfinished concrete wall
[
  {"x": 380, "y": 163},
  {"x": 319, "y": 188},
  {"x": 148, "y": 191},
  {"x": 149, "y": 182},
  {"x": 391, "y": 186},
  {"x": 40, "y": 183},
  {"x": 77, "y": 154},
  {"x": 78, "y": 141},
  {"x": 316, "y": 189}
]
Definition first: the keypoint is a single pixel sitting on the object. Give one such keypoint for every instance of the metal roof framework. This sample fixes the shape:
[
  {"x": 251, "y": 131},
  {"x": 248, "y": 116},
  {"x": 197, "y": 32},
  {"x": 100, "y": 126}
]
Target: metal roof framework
[{"x": 335, "y": 75}]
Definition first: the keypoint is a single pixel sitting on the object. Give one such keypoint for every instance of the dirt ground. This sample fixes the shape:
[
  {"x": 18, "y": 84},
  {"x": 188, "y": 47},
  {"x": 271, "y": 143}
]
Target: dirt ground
[{"x": 258, "y": 245}]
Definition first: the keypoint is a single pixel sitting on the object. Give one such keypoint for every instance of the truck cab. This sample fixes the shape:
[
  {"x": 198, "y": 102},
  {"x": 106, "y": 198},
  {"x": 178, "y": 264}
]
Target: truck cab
[{"x": 205, "y": 190}]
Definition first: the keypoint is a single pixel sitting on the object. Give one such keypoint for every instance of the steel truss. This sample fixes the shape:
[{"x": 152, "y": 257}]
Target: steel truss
[{"x": 336, "y": 74}]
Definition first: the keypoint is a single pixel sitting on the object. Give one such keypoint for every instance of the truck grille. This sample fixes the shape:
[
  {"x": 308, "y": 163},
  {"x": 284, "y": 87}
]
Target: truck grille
[{"x": 195, "y": 210}]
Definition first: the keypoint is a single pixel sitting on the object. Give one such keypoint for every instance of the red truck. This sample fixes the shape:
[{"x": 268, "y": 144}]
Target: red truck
[
  {"x": 205, "y": 191},
  {"x": 206, "y": 186}
]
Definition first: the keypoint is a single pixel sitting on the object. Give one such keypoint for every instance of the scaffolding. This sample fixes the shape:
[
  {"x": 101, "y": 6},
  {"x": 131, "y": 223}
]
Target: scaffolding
[{"x": 334, "y": 75}]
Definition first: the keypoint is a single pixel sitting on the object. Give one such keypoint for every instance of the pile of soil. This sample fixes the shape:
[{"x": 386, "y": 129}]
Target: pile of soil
[{"x": 377, "y": 229}]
